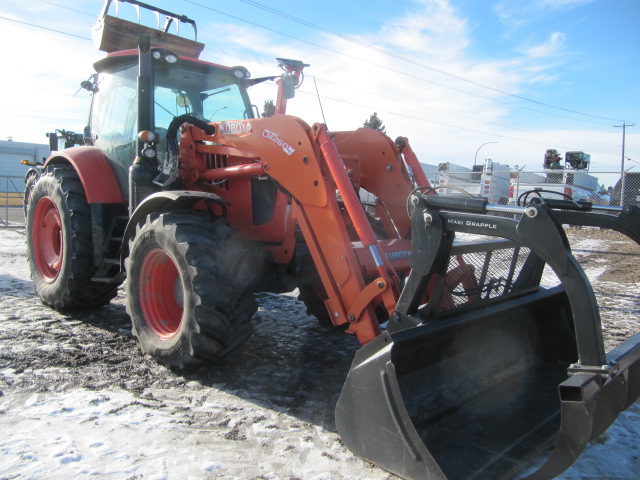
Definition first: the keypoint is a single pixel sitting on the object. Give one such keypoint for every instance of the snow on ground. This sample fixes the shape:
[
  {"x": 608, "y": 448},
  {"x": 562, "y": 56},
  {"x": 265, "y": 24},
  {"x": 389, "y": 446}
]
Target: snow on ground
[
  {"x": 114, "y": 434},
  {"x": 78, "y": 400}
]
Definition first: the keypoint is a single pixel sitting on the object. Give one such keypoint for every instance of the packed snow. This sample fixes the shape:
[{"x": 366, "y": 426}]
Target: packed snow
[{"x": 78, "y": 399}]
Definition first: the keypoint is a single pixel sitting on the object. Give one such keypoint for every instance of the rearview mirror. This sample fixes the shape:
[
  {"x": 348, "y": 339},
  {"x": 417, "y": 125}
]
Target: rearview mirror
[{"x": 53, "y": 141}]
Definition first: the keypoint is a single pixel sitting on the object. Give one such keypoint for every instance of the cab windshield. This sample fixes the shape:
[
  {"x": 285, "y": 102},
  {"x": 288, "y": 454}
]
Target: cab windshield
[
  {"x": 208, "y": 92},
  {"x": 204, "y": 91}
]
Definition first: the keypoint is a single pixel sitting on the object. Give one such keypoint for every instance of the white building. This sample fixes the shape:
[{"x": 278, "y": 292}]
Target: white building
[{"x": 11, "y": 155}]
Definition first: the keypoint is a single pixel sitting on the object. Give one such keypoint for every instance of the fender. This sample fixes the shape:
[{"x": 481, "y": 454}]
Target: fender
[
  {"x": 163, "y": 201},
  {"x": 96, "y": 173}
]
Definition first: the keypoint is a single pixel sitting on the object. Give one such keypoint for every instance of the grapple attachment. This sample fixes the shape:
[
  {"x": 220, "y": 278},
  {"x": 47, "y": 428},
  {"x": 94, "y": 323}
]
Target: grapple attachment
[{"x": 481, "y": 369}]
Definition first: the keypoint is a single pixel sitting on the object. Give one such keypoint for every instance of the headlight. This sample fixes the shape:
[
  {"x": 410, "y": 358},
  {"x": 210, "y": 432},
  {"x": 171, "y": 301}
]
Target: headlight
[
  {"x": 241, "y": 72},
  {"x": 149, "y": 152}
]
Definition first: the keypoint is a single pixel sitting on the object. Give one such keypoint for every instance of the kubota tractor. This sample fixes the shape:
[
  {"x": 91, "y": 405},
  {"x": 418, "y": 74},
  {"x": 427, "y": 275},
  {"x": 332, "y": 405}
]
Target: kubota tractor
[{"x": 469, "y": 367}]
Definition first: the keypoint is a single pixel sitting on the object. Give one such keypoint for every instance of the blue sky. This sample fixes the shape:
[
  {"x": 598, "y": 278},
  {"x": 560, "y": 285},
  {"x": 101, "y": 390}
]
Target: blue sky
[{"x": 451, "y": 75}]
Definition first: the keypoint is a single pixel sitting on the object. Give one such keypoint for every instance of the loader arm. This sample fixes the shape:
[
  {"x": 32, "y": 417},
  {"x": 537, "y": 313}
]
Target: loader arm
[{"x": 306, "y": 165}]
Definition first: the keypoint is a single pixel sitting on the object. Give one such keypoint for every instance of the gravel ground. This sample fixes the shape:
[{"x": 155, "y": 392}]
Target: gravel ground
[{"x": 78, "y": 398}]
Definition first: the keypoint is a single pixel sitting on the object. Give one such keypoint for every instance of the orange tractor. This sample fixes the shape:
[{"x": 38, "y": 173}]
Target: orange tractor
[{"x": 181, "y": 188}]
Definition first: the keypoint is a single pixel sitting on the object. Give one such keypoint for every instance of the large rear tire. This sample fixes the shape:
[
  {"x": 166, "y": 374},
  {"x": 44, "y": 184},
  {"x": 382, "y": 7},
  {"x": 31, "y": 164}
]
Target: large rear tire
[
  {"x": 189, "y": 280},
  {"x": 59, "y": 243}
]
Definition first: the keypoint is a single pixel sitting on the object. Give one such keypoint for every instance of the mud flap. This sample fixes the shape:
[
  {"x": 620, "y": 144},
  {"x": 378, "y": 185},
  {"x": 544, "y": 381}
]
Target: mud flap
[{"x": 483, "y": 391}]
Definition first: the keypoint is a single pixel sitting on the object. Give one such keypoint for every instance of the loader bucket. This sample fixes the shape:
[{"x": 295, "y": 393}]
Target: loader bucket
[{"x": 482, "y": 388}]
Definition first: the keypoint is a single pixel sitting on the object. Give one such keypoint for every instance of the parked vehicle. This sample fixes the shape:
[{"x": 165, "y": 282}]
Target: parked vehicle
[
  {"x": 573, "y": 182},
  {"x": 184, "y": 191},
  {"x": 490, "y": 181}
]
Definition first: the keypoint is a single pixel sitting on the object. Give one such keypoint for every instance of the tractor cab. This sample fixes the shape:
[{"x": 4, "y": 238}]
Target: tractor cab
[{"x": 178, "y": 86}]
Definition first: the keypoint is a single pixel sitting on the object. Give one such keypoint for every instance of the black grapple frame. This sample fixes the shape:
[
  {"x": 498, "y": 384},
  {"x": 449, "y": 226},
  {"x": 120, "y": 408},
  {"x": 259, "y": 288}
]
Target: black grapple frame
[{"x": 500, "y": 361}]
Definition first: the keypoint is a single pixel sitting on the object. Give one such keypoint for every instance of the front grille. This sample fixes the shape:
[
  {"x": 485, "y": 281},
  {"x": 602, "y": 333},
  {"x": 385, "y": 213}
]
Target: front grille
[{"x": 213, "y": 161}]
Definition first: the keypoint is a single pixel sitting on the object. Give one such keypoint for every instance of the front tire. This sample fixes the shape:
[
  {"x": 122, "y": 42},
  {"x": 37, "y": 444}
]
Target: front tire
[
  {"x": 59, "y": 243},
  {"x": 189, "y": 291}
]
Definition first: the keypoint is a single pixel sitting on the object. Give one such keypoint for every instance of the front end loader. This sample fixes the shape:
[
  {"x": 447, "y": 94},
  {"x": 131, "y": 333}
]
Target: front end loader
[
  {"x": 472, "y": 362},
  {"x": 476, "y": 380}
]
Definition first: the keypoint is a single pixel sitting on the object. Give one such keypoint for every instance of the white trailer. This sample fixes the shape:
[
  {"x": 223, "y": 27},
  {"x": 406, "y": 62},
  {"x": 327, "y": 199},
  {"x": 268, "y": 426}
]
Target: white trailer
[{"x": 490, "y": 180}]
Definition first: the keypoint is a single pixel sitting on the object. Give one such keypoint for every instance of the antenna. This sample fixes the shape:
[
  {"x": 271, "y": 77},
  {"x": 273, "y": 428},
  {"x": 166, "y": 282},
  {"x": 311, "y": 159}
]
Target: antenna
[{"x": 320, "y": 102}]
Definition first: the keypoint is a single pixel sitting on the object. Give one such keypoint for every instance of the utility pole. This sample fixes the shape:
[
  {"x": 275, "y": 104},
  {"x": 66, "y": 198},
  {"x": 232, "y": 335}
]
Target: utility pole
[{"x": 624, "y": 131}]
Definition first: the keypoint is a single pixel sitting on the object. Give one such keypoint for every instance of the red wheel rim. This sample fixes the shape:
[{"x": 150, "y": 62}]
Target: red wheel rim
[
  {"x": 47, "y": 239},
  {"x": 161, "y": 296}
]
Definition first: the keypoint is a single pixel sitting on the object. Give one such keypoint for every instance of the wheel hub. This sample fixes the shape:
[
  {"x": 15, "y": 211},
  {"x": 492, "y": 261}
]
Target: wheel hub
[
  {"x": 47, "y": 239},
  {"x": 161, "y": 294}
]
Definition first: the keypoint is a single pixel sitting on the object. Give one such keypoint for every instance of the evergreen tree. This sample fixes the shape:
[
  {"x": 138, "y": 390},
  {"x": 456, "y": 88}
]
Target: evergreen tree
[
  {"x": 375, "y": 123},
  {"x": 269, "y": 109}
]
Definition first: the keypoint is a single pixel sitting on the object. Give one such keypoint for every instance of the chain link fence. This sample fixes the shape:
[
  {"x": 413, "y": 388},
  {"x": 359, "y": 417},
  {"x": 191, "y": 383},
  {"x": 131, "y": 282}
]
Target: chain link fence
[
  {"x": 11, "y": 201},
  {"x": 599, "y": 188}
]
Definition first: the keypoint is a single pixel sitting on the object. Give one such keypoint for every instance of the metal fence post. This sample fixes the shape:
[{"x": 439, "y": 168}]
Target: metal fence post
[{"x": 6, "y": 201}]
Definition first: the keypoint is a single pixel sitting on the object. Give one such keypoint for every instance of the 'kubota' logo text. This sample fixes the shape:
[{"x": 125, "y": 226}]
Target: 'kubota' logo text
[
  {"x": 230, "y": 128},
  {"x": 275, "y": 138},
  {"x": 398, "y": 255}
]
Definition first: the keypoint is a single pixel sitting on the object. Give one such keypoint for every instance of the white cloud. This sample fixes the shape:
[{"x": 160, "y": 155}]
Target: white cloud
[
  {"x": 37, "y": 92},
  {"x": 517, "y": 13},
  {"x": 434, "y": 30},
  {"x": 442, "y": 122},
  {"x": 551, "y": 47}
]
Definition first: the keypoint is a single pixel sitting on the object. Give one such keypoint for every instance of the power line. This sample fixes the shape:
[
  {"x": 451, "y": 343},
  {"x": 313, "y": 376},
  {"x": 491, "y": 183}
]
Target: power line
[
  {"x": 416, "y": 105},
  {"x": 67, "y": 8},
  {"x": 409, "y": 103},
  {"x": 408, "y": 60},
  {"x": 374, "y": 48},
  {"x": 347, "y": 102},
  {"x": 415, "y": 77},
  {"x": 459, "y": 115},
  {"x": 443, "y": 124},
  {"x": 44, "y": 28},
  {"x": 346, "y": 38},
  {"x": 320, "y": 46}
]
